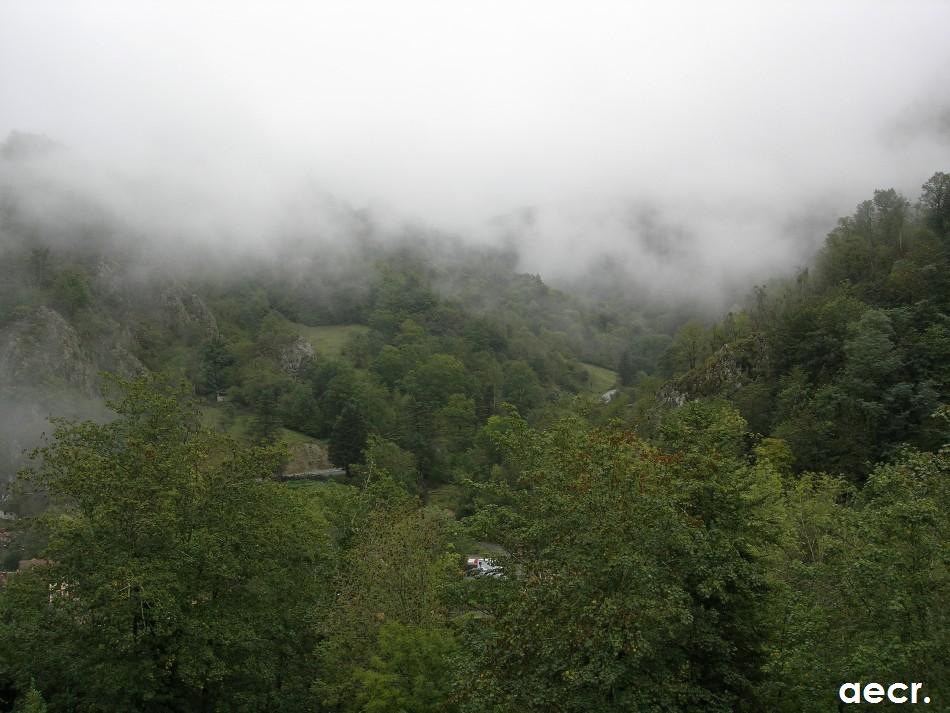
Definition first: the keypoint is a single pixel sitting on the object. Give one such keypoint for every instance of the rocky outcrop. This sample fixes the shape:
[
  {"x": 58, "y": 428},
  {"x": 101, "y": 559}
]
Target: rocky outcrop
[
  {"x": 43, "y": 349},
  {"x": 124, "y": 363},
  {"x": 733, "y": 366},
  {"x": 183, "y": 309},
  {"x": 293, "y": 357},
  {"x": 670, "y": 396}
]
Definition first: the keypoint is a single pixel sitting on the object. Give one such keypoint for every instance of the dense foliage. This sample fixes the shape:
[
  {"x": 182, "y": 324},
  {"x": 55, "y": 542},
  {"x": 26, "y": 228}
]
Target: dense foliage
[
  {"x": 758, "y": 513},
  {"x": 176, "y": 577}
]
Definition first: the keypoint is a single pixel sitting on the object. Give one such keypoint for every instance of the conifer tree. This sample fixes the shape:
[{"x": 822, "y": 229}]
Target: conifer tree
[{"x": 348, "y": 438}]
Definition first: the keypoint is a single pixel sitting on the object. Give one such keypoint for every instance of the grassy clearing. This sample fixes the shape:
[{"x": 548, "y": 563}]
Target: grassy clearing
[
  {"x": 320, "y": 487},
  {"x": 219, "y": 418},
  {"x": 237, "y": 425},
  {"x": 292, "y": 438},
  {"x": 601, "y": 379},
  {"x": 329, "y": 341}
]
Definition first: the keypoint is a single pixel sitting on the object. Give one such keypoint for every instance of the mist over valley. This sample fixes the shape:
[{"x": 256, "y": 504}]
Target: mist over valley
[{"x": 494, "y": 357}]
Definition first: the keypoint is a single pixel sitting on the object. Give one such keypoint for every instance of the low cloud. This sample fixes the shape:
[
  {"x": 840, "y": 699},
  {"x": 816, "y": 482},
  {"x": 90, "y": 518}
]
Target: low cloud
[{"x": 691, "y": 145}]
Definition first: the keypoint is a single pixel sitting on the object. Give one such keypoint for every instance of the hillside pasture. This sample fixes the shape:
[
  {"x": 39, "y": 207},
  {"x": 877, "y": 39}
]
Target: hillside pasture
[
  {"x": 330, "y": 340},
  {"x": 600, "y": 379}
]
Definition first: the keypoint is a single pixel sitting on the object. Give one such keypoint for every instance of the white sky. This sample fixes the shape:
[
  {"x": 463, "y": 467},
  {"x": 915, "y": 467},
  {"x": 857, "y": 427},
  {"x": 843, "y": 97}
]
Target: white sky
[{"x": 727, "y": 120}]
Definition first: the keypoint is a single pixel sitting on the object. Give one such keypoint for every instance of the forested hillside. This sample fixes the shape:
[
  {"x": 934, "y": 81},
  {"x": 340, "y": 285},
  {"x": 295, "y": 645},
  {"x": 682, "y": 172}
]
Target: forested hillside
[
  {"x": 280, "y": 352},
  {"x": 756, "y": 511},
  {"x": 847, "y": 361}
]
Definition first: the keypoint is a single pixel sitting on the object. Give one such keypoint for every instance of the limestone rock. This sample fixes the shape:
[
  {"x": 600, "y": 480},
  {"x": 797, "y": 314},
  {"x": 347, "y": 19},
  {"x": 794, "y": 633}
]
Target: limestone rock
[
  {"x": 42, "y": 348},
  {"x": 295, "y": 356},
  {"x": 733, "y": 366},
  {"x": 182, "y": 308}
]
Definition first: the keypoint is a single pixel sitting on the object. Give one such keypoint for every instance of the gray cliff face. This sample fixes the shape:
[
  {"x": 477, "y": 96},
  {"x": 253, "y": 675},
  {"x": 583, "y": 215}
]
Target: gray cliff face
[
  {"x": 43, "y": 349},
  {"x": 669, "y": 396},
  {"x": 46, "y": 368},
  {"x": 184, "y": 309},
  {"x": 119, "y": 360},
  {"x": 295, "y": 356},
  {"x": 126, "y": 363}
]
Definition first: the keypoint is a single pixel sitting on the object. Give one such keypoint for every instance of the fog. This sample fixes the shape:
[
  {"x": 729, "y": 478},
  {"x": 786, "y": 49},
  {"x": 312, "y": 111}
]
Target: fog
[{"x": 692, "y": 146}]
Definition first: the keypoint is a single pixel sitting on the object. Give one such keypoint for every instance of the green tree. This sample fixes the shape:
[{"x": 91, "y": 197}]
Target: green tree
[
  {"x": 177, "y": 574},
  {"x": 433, "y": 382},
  {"x": 690, "y": 346},
  {"x": 385, "y": 459},
  {"x": 71, "y": 290},
  {"x": 633, "y": 580},
  {"x": 300, "y": 410},
  {"x": 32, "y": 702},
  {"x": 396, "y": 566},
  {"x": 216, "y": 359},
  {"x": 520, "y": 385},
  {"x": 410, "y": 672},
  {"x": 455, "y": 423},
  {"x": 262, "y": 388},
  {"x": 627, "y": 368},
  {"x": 392, "y": 364},
  {"x": 275, "y": 335},
  {"x": 347, "y": 385},
  {"x": 865, "y": 576},
  {"x": 348, "y": 438},
  {"x": 936, "y": 202},
  {"x": 871, "y": 356}
]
